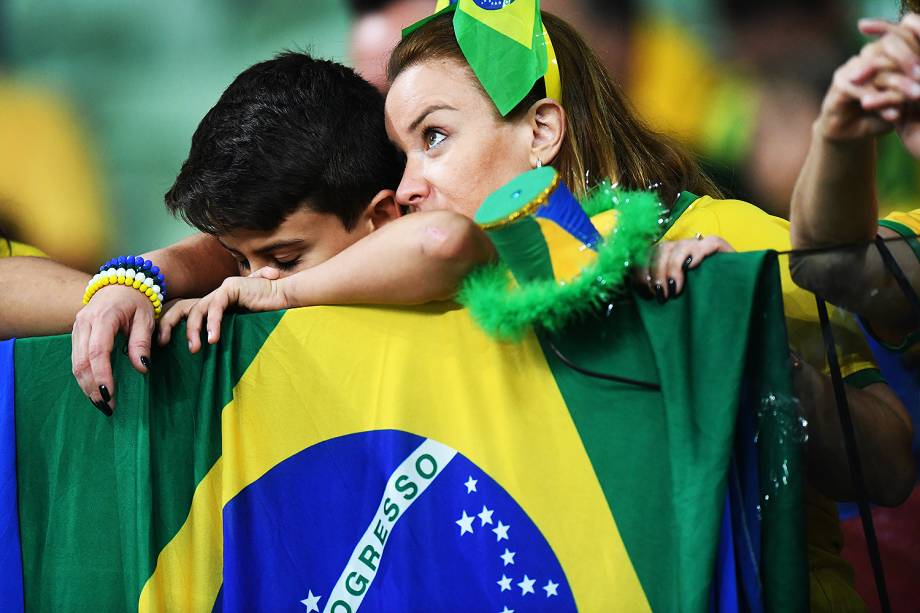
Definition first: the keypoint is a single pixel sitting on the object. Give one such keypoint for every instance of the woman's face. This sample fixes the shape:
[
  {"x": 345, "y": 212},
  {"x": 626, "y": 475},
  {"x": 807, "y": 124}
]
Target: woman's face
[{"x": 458, "y": 149}]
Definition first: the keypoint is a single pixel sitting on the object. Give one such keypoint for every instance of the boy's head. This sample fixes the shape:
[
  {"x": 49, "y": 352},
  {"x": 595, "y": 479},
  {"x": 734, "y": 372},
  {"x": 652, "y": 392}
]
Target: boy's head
[{"x": 291, "y": 165}]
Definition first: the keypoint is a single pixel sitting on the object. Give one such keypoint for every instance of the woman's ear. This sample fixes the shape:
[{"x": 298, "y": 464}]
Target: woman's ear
[
  {"x": 382, "y": 209},
  {"x": 547, "y": 123}
]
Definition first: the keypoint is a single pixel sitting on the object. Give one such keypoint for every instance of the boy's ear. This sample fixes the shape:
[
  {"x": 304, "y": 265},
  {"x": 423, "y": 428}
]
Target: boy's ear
[{"x": 382, "y": 209}]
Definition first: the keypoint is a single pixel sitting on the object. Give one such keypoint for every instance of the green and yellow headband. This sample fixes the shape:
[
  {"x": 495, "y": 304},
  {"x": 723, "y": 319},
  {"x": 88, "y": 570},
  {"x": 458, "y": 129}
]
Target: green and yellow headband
[{"x": 506, "y": 45}]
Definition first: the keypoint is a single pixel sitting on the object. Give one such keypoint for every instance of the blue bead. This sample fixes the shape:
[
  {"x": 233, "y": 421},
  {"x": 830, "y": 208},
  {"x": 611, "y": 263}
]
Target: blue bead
[
  {"x": 121, "y": 261},
  {"x": 147, "y": 264},
  {"x": 159, "y": 277},
  {"x": 154, "y": 270},
  {"x": 138, "y": 261}
]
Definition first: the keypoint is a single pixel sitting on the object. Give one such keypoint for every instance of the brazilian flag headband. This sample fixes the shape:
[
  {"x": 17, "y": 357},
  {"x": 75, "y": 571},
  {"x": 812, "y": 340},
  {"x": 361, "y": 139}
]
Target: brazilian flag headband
[{"x": 506, "y": 45}]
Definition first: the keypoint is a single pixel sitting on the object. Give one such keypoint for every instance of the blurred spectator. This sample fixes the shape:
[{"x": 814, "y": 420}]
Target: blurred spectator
[
  {"x": 378, "y": 27},
  {"x": 49, "y": 189}
]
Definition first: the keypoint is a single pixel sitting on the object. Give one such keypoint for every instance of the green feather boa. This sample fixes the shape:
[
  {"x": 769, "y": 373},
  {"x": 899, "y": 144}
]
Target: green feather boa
[{"x": 507, "y": 313}]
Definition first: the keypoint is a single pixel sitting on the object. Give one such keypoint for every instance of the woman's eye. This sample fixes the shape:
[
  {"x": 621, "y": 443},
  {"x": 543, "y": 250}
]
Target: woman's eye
[
  {"x": 433, "y": 138},
  {"x": 243, "y": 264}
]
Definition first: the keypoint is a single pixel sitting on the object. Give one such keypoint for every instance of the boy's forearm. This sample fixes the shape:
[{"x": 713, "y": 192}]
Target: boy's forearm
[
  {"x": 194, "y": 266},
  {"x": 834, "y": 199}
]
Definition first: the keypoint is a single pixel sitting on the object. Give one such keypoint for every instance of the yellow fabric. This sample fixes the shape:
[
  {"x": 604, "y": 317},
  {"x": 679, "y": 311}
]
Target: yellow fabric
[
  {"x": 568, "y": 254},
  {"x": 748, "y": 228},
  {"x": 12, "y": 248},
  {"x": 911, "y": 219},
  {"x": 559, "y": 490},
  {"x": 49, "y": 192}
]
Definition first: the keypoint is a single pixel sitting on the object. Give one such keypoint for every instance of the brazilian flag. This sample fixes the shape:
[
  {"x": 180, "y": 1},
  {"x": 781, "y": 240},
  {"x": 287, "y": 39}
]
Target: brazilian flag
[
  {"x": 398, "y": 459},
  {"x": 502, "y": 40}
]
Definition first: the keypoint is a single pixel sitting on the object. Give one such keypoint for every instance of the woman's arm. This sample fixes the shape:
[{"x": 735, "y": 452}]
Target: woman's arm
[
  {"x": 419, "y": 258},
  {"x": 883, "y": 433},
  {"x": 38, "y": 296}
]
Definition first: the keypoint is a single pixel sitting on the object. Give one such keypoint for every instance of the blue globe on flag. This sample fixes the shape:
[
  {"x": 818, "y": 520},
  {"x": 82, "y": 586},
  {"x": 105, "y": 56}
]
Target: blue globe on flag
[{"x": 384, "y": 521}]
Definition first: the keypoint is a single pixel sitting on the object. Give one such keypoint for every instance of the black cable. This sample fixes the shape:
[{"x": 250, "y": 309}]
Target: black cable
[
  {"x": 847, "y": 246},
  {"x": 895, "y": 269},
  {"x": 856, "y": 472},
  {"x": 598, "y": 375}
]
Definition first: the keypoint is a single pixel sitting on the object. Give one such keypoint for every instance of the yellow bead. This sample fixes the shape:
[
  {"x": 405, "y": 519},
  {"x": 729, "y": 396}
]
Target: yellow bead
[
  {"x": 136, "y": 284},
  {"x": 148, "y": 291},
  {"x": 121, "y": 279},
  {"x": 113, "y": 278},
  {"x": 105, "y": 280},
  {"x": 143, "y": 287},
  {"x": 156, "y": 304}
]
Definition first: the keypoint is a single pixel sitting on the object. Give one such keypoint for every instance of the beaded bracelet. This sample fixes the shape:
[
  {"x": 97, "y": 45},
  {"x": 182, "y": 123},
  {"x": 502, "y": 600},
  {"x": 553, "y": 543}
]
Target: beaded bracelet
[{"x": 134, "y": 272}]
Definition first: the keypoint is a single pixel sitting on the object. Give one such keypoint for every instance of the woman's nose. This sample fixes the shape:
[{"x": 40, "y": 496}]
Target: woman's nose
[{"x": 413, "y": 189}]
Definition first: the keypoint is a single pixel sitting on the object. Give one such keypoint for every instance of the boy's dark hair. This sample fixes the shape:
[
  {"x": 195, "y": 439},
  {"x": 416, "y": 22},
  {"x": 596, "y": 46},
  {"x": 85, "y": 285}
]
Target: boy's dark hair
[{"x": 288, "y": 133}]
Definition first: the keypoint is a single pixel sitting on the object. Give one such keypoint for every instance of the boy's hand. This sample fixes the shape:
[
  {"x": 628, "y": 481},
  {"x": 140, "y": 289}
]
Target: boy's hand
[
  {"x": 258, "y": 292},
  {"x": 175, "y": 311}
]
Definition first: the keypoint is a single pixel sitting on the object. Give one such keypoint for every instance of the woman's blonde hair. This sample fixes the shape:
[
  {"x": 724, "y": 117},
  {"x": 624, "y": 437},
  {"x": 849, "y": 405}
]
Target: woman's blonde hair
[{"x": 604, "y": 138}]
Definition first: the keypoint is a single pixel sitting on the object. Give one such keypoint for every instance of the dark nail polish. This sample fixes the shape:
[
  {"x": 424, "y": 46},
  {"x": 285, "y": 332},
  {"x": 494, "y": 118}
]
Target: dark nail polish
[
  {"x": 672, "y": 288},
  {"x": 104, "y": 408},
  {"x": 688, "y": 262},
  {"x": 659, "y": 293},
  {"x": 145, "y": 361},
  {"x": 104, "y": 392}
]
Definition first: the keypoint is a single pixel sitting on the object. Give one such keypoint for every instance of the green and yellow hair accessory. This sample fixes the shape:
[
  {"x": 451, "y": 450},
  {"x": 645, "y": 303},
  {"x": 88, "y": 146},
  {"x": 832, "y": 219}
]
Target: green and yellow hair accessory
[
  {"x": 560, "y": 265},
  {"x": 506, "y": 45}
]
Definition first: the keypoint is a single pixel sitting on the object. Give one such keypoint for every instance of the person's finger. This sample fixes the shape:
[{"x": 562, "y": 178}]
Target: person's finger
[
  {"x": 139, "y": 339},
  {"x": 678, "y": 264},
  {"x": 874, "y": 27},
  {"x": 173, "y": 314},
  {"x": 911, "y": 23},
  {"x": 193, "y": 324},
  {"x": 897, "y": 81},
  {"x": 266, "y": 272},
  {"x": 99, "y": 352},
  {"x": 882, "y": 99},
  {"x": 216, "y": 310},
  {"x": 891, "y": 114},
  {"x": 80, "y": 366},
  {"x": 659, "y": 269},
  {"x": 897, "y": 47}
]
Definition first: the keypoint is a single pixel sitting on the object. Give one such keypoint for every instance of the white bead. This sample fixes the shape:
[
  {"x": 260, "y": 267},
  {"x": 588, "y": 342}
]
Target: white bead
[
  {"x": 129, "y": 273},
  {"x": 160, "y": 298},
  {"x": 111, "y": 271},
  {"x": 155, "y": 288},
  {"x": 120, "y": 272},
  {"x": 148, "y": 282}
]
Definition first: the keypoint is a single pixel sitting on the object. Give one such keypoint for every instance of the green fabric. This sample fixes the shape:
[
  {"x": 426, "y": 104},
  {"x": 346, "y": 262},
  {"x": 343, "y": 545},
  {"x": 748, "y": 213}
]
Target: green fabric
[
  {"x": 61, "y": 525},
  {"x": 523, "y": 248},
  {"x": 506, "y": 69},
  {"x": 700, "y": 355}
]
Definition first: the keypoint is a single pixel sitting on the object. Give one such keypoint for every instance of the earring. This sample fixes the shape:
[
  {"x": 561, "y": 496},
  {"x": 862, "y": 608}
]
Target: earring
[{"x": 539, "y": 163}]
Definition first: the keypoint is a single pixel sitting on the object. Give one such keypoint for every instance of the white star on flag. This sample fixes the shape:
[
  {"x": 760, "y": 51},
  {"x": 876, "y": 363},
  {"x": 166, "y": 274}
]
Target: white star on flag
[
  {"x": 506, "y": 610},
  {"x": 526, "y": 585},
  {"x": 311, "y": 602},
  {"x": 466, "y": 523},
  {"x": 470, "y": 485},
  {"x": 507, "y": 557},
  {"x": 504, "y": 583},
  {"x": 550, "y": 588},
  {"x": 485, "y": 516},
  {"x": 501, "y": 531}
]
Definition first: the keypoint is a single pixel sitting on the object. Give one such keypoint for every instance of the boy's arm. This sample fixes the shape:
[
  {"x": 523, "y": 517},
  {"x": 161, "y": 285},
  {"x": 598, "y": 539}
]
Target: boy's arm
[{"x": 419, "y": 258}]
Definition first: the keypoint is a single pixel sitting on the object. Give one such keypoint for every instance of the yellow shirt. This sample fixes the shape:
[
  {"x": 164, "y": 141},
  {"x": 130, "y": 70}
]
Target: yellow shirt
[
  {"x": 49, "y": 190},
  {"x": 12, "y": 248}
]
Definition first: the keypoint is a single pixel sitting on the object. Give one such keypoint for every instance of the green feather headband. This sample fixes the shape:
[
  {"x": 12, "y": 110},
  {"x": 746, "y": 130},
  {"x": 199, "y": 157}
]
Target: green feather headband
[{"x": 507, "y": 313}]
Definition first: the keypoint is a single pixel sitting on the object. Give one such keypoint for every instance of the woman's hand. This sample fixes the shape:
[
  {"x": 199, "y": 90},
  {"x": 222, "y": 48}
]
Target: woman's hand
[
  {"x": 261, "y": 291},
  {"x": 664, "y": 276}
]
